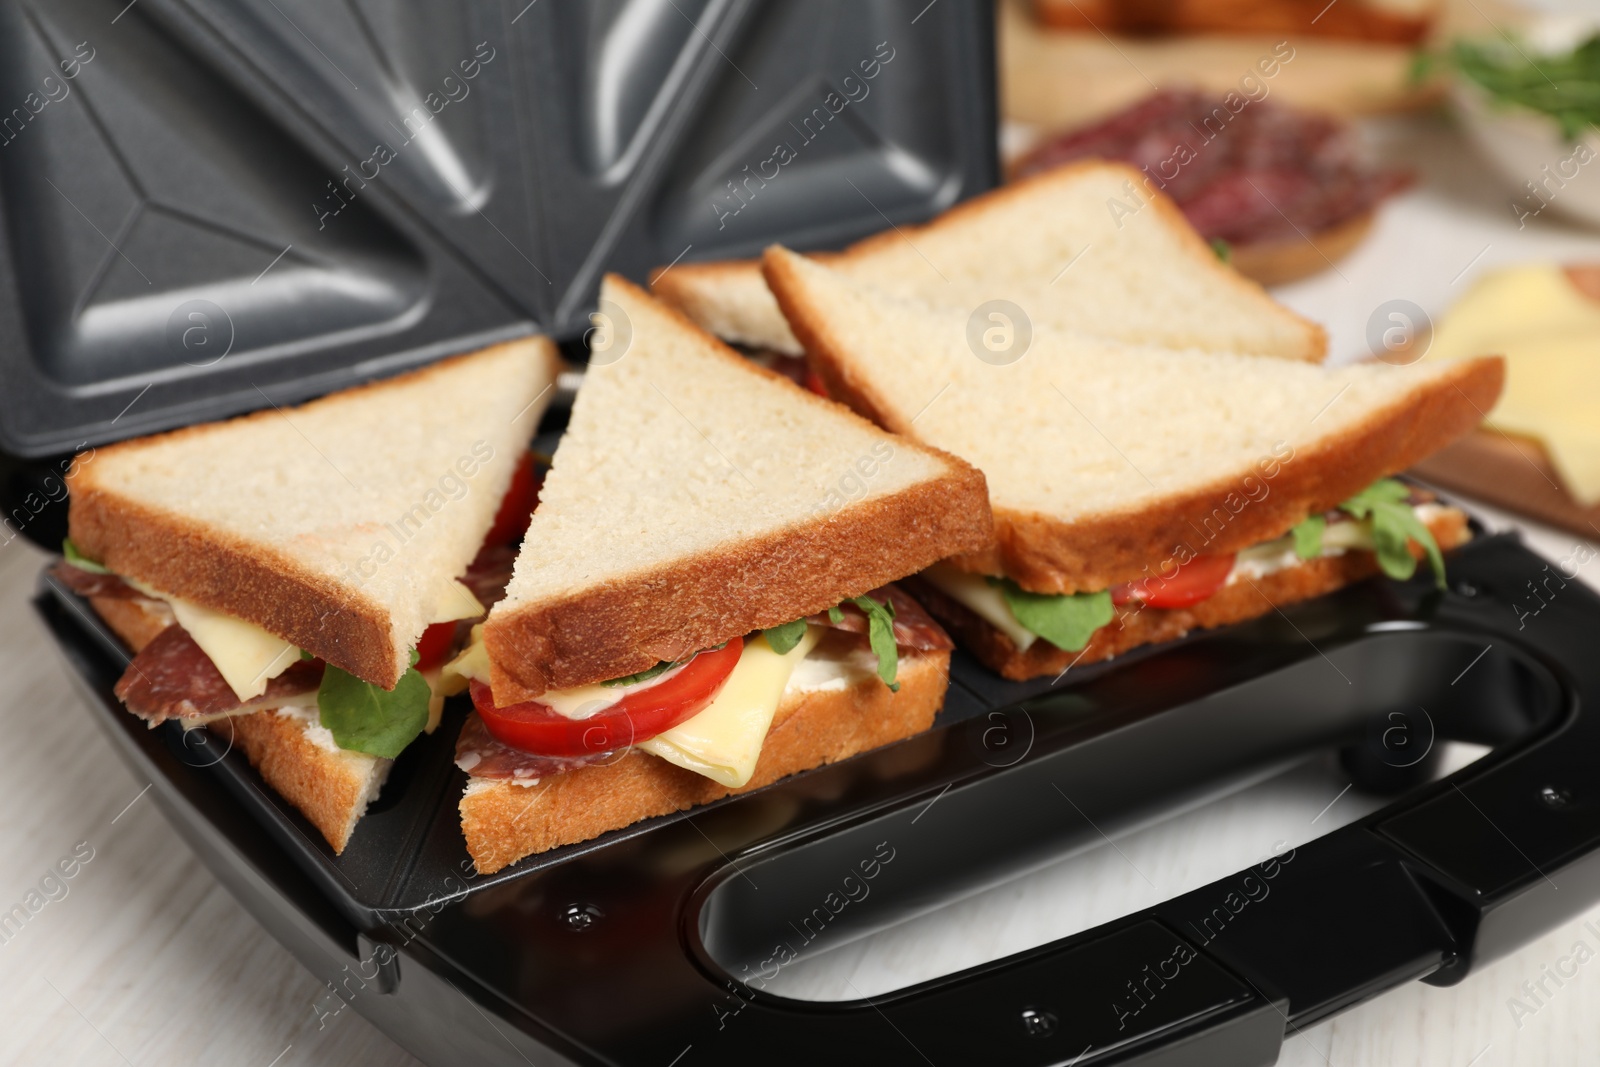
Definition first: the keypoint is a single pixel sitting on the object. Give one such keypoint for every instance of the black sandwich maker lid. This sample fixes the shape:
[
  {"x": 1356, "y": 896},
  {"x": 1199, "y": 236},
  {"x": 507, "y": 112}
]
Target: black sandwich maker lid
[
  {"x": 239, "y": 202},
  {"x": 213, "y": 205}
]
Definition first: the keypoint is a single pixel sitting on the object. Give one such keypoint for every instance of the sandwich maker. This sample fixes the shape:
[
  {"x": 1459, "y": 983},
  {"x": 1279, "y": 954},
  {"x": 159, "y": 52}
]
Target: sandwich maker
[{"x": 185, "y": 172}]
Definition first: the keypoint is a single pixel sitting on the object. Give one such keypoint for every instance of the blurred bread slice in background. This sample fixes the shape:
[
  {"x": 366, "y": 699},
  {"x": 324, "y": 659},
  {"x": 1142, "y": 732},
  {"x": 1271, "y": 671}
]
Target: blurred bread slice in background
[
  {"x": 1053, "y": 77},
  {"x": 1085, "y": 247}
]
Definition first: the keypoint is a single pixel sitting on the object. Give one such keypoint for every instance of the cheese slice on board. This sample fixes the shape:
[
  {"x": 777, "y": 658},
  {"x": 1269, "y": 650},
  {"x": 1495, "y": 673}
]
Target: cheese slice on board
[{"x": 1549, "y": 332}]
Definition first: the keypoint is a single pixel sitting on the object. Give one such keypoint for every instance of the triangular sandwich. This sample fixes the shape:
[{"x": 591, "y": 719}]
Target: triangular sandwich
[
  {"x": 283, "y": 570},
  {"x": 702, "y": 600},
  {"x": 1139, "y": 492}
]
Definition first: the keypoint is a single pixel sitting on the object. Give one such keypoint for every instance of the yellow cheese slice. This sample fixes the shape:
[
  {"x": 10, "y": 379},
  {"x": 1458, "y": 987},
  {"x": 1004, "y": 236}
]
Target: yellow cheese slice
[
  {"x": 246, "y": 656},
  {"x": 1549, "y": 333},
  {"x": 974, "y": 592},
  {"x": 456, "y": 601},
  {"x": 249, "y": 657},
  {"x": 470, "y": 664},
  {"x": 724, "y": 741}
]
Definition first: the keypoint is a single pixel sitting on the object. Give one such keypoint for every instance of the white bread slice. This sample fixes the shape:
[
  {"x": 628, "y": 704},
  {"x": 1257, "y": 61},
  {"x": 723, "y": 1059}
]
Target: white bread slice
[
  {"x": 695, "y": 497},
  {"x": 504, "y": 821},
  {"x": 1101, "y": 458},
  {"x": 336, "y": 525},
  {"x": 288, "y": 748},
  {"x": 1137, "y": 272}
]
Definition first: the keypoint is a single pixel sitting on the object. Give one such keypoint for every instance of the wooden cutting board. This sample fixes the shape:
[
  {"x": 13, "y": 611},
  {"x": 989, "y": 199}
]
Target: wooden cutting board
[{"x": 1511, "y": 472}]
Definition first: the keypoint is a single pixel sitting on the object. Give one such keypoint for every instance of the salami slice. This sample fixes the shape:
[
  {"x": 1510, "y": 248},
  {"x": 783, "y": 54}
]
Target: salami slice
[
  {"x": 173, "y": 678},
  {"x": 481, "y": 756},
  {"x": 489, "y": 574},
  {"x": 88, "y": 583}
]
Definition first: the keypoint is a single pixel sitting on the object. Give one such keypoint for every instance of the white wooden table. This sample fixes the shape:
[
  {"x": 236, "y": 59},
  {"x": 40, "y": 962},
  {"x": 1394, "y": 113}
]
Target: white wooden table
[{"x": 146, "y": 961}]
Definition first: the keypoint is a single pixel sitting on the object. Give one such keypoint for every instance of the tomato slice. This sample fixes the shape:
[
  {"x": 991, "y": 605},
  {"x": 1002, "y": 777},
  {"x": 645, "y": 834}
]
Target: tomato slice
[
  {"x": 435, "y": 645},
  {"x": 815, "y": 383},
  {"x": 1195, "y": 581},
  {"x": 516, "y": 507},
  {"x": 537, "y": 728}
]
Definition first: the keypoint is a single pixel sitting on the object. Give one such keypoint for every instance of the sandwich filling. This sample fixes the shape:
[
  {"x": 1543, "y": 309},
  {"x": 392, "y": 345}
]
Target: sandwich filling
[
  {"x": 1386, "y": 518},
  {"x": 206, "y": 665},
  {"x": 709, "y": 714}
]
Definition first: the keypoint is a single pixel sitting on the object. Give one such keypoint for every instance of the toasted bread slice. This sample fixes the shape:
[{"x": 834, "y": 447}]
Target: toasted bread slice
[
  {"x": 696, "y": 497},
  {"x": 1136, "y": 626},
  {"x": 288, "y": 748},
  {"x": 1104, "y": 460},
  {"x": 504, "y": 821},
  {"x": 1084, "y": 246},
  {"x": 337, "y": 525}
]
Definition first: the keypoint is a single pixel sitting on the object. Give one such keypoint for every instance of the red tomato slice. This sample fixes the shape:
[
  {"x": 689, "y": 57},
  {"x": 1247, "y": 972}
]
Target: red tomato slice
[
  {"x": 1195, "y": 581},
  {"x": 435, "y": 644},
  {"x": 516, "y": 507},
  {"x": 535, "y": 727},
  {"x": 815, "y": 384}
]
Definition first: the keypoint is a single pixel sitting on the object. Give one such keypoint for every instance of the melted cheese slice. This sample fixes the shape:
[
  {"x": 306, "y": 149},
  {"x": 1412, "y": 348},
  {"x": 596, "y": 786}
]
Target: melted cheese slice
[
  {"x": 1549, "y": 333},
  {"x": 724, "y": 741}
]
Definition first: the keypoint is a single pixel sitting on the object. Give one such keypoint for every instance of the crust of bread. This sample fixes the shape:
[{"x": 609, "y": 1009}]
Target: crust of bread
[
  {"x": 194, "y": 561},
  {"x": 1136, "y": 627},
  {"x": 1046, "y": 555},
  {"x": 136, "y": 624},
  {"x": 699, "y": 290},
  {"x": 1281, "y": 262},
  {"x": 504, "y": 822},
  {"x": 614, "y": 630},
  {"x": 330, "y": 788},
  {"x": 668, "y": 612},
  {"x": 693, "y": 287}
]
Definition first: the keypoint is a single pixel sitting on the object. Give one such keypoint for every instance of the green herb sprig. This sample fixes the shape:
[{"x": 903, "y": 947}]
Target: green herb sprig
[{"x": 1394, "y": 526}]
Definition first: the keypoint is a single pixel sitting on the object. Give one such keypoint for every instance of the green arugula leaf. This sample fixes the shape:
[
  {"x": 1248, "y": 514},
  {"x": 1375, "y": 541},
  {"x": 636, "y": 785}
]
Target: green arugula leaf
[
  {"x": 880, "y": 635},
  {"x": 1222, "y": 249},
  {"x": 1394, "y": 526},
  {"x": 1382, "y": 491},
  {"x": 79, "y": 560},
  {"x": 643, "y": 676},
  {"x": 1308, "y": 537},
  {"x": 784, "y": 638},
  {"x": 365, "y": 718},
  {"x": 1066, "y": 620},
  {"x": 835, "y": 616}
]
